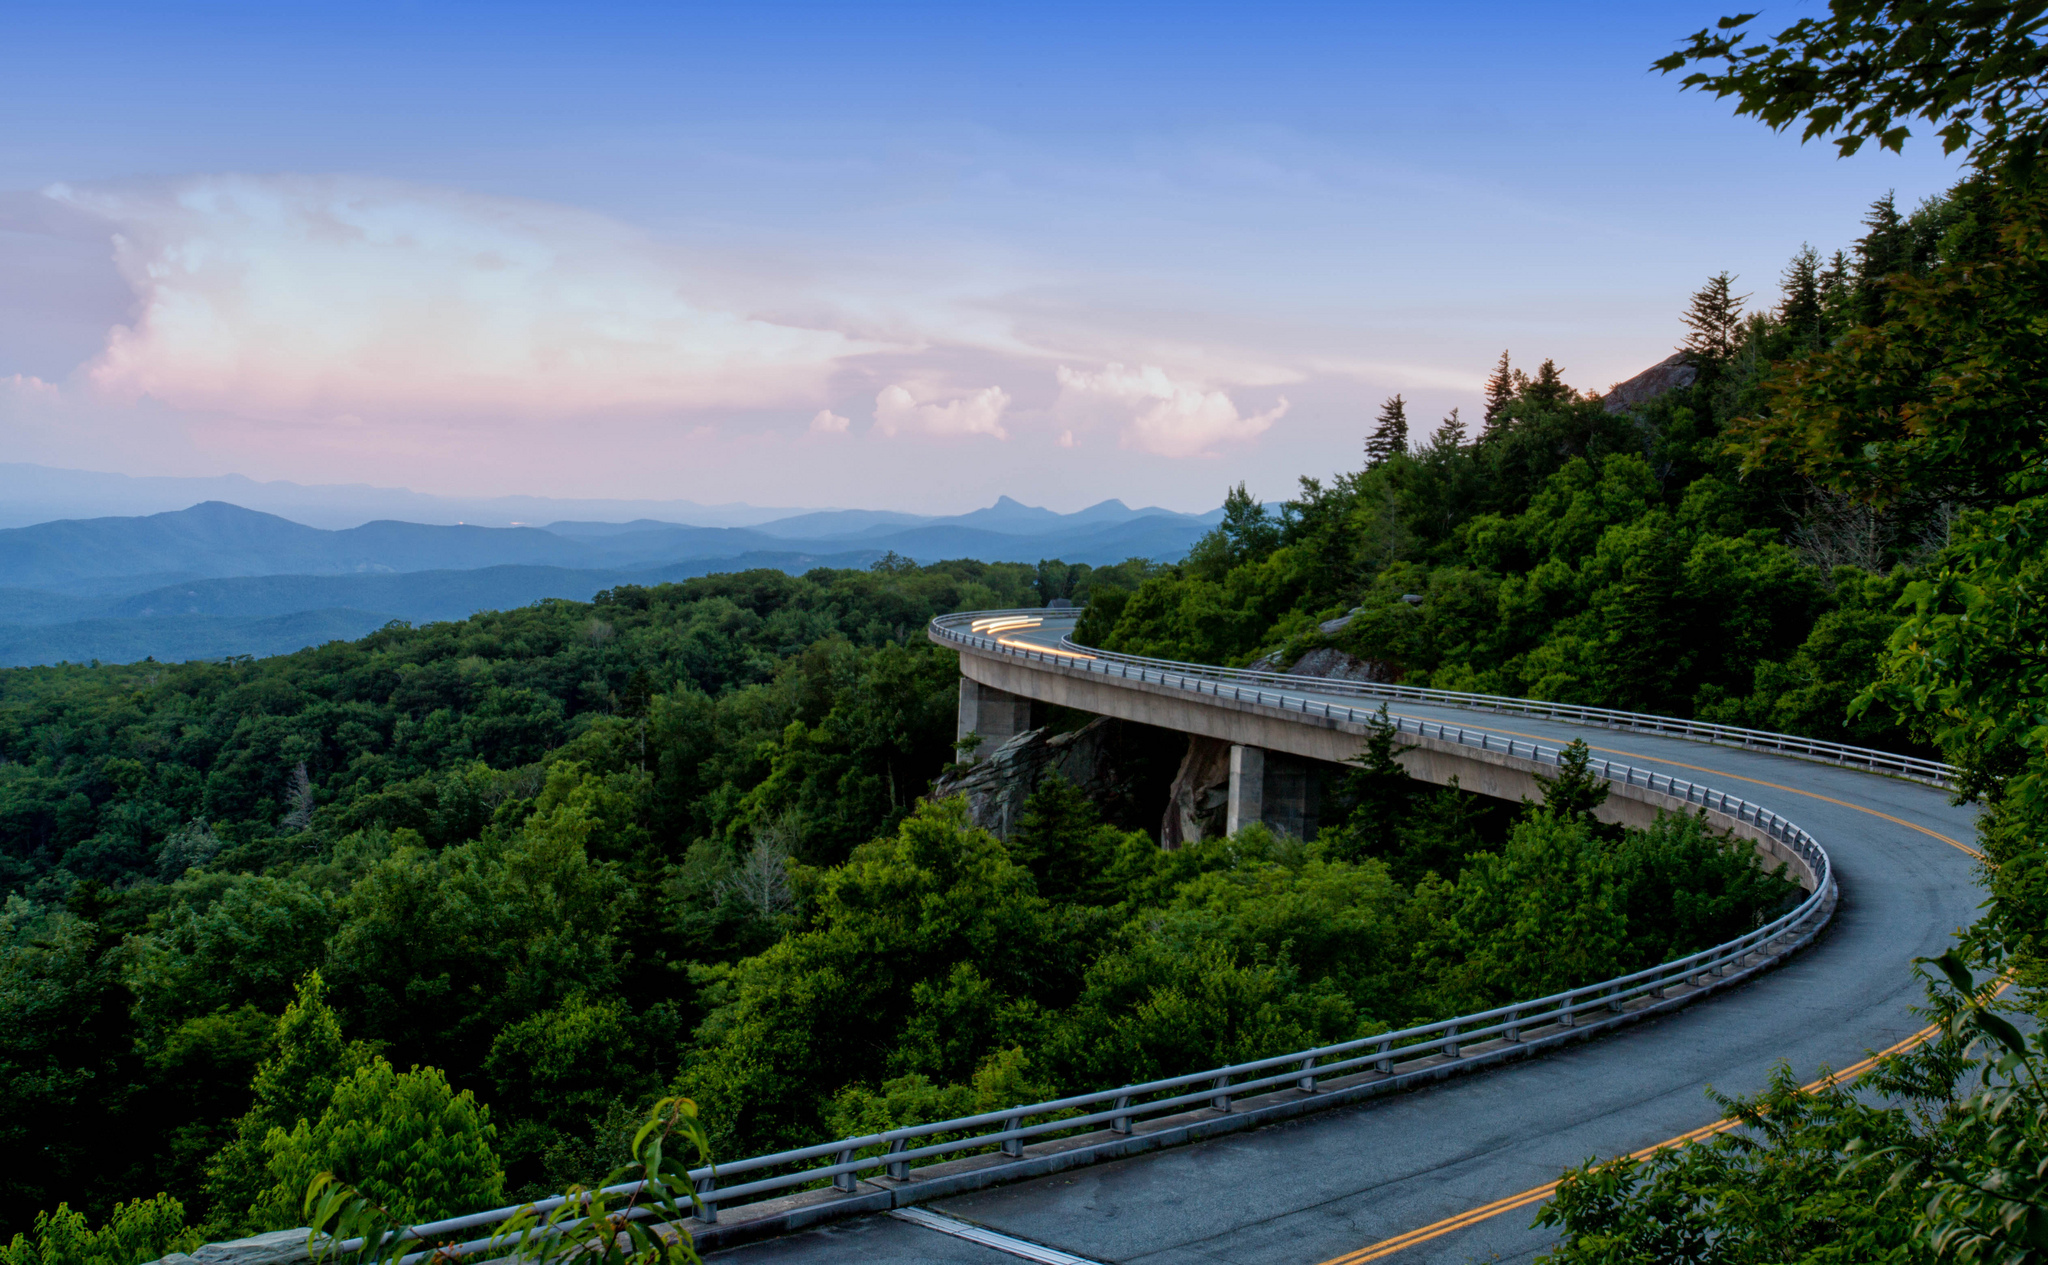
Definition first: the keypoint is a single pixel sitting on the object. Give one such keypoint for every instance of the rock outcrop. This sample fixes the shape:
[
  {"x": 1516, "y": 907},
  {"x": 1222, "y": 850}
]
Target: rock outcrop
[
  {"x": 1668, "y": 374},
  {"x": 1200, "y": 798},
  {"x": 1099, "y": 758},
  {"x": 1333, "y": 664}
]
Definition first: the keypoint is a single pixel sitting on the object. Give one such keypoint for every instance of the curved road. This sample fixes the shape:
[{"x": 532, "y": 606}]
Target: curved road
[{"x": 1332, "y": 1184}]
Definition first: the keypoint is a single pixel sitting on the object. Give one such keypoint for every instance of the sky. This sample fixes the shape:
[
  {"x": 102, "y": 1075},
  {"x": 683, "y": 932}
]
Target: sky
[{"x": 905, "y": 256}]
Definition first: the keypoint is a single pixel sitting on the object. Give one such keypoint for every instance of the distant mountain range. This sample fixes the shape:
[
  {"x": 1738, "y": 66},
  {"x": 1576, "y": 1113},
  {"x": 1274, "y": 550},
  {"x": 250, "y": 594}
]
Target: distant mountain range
[
  {"x": 36, "y": 494},
  {"x": 218, "y": 579}
]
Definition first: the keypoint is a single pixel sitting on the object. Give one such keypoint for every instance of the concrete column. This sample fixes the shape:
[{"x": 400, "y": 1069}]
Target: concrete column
[
  {"x": 1247, "y": 788},
  {"x": 997, "y": 715},
  {"x": 1270, "y": 787},
  {"x": 1291, "y": 796}
]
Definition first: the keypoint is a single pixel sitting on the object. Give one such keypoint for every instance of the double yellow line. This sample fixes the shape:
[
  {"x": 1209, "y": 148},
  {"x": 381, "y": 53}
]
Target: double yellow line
[{"x": 1535, "y": 1195}]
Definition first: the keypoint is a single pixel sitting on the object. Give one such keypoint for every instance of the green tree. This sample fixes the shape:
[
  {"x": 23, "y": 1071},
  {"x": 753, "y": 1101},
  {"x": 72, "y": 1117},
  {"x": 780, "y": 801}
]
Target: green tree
[
  {"x": 1500, "y": 390},
  {"x": 1799, "y": 310},
  {"x": 1715, "y": 318},
  {"x": 405, "y": 1139},
  {"x": 1576, "y": 790},
  {"x": 294, "y": 1085},
  {"x": 139, "y": 1230},
  {"x": 1869, "y": 67},
  {"x": 1389, "y": 438}
]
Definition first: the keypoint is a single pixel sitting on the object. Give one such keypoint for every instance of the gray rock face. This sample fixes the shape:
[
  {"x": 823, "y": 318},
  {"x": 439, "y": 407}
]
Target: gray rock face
[
  {"x": 1092, "y": 758},
  {"x": 1331, "y": 627},
  {"x": 1200, "y": 797},
  {"x": 1333, "y": 664},
  {"x": 1668, "y": 374}
]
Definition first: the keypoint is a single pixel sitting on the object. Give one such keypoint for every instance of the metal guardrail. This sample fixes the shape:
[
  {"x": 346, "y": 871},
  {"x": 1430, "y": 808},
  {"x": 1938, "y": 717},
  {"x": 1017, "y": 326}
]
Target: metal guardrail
[
  {"x": 894, "y": 1154},
  {"x": 957, "y": 629}
]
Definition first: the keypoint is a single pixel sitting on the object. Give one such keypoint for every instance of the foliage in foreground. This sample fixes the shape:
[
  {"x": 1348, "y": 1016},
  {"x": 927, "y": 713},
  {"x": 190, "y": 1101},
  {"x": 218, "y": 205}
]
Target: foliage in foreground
[
  {"x": 643, "y": 1225},
  {"x": 1943, "y": 1156}
]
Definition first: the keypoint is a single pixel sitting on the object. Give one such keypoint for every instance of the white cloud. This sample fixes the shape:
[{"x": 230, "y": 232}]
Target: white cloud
[
  {"x": 828, "y": 422},
  {"x": 914, "y": 408},
  {"x": 297, "y": 296},
  {"x": 1157, "y": 414}
]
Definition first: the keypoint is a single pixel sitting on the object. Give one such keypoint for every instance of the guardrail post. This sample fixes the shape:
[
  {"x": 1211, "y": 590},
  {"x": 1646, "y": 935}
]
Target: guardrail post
[
  {"x": 1122, "y": 1123},
  {"x": 898, "y": 1169},
  {"x": 1221, "y": 1101},
  {"x": 707, "y": 1210},
  {"x": 1450, "y": 1046},
  {"x": 1568, "y": 1017},
  {"x": 1514, "y": 1032},
  {"x": 1386, "y": 1063},
  {"x": 1306, "y": 1083},
  {"x": 845, "y": 1183},
  {"x": 1013, "y": 1147},
  {"x": 1614, "y": 1000}
]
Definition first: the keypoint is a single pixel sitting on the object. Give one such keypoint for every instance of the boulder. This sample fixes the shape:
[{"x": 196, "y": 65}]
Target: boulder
[{"x": 1333, "y": 664}]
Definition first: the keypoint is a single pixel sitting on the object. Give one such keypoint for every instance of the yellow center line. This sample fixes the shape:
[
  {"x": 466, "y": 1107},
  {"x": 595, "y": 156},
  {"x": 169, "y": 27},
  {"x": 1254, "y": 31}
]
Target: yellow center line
[
  {"x": 1737, "y": 777},
  {"x": 1537, "y": 1194}
]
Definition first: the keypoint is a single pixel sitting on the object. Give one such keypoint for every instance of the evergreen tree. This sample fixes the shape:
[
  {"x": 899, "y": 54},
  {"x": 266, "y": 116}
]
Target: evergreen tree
[
  {"x": 1576, "y": 790},
  {"x": 1390, "y": 437},
  {"x": 1800, "y": 310},
  {"x": 1836, "y": 294},
  {"x": 1451, "y": 433},
  {"x": 1548, "y": 387},
  {"x": 1885, "y": 248},
  {"x": 1500, "y": 389},
  {"x": 1715, "y": 319}
]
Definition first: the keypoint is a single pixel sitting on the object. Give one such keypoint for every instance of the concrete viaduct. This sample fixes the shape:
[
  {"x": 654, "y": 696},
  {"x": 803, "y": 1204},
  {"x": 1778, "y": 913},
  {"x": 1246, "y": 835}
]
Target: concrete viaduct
[{"x": 1271, "y": 734}]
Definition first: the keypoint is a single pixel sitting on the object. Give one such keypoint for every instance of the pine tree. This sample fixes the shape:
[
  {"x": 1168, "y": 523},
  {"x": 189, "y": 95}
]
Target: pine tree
[
  {"x": 1390, "y": 437},
  {"x": 1451, "y": 433},
  {"x": 1836, "y": 295},
  {"x": 1715, "y": 319},
  {"x": 1799, "y": 311},
  {"x": 1884, "y": 248},
  {"x": 1500, "y": 389},
  {"x": 1548, "y": 387}
]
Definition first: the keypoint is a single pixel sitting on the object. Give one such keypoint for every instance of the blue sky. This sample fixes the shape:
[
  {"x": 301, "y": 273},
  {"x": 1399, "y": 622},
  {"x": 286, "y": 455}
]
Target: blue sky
[{"x": 905, "y": 255}]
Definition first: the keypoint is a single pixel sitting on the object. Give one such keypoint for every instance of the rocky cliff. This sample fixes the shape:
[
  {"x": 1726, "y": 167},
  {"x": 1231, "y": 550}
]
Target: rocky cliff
[{"x": 1109, "y": 760}]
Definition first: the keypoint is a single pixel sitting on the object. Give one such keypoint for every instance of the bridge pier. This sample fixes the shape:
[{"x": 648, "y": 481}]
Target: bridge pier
[
  {"x": 997, "y": 715},
  {"x": 1271, "y": 787}
]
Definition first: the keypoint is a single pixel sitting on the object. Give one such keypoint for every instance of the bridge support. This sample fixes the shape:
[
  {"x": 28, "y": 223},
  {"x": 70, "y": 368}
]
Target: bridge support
[
  {"x": 997, "y": 715},
  {"x": 1271, "y": 787}
]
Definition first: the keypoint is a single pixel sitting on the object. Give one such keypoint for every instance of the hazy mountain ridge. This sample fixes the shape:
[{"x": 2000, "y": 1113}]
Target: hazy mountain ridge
[
  {"x": 218, "y": 540},
  {"x": 217, "y": 579},
  {"x": 32, "y": 494}
]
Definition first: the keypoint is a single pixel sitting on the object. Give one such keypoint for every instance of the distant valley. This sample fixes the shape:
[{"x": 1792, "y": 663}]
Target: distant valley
[{"x": 218, "y": 579}]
